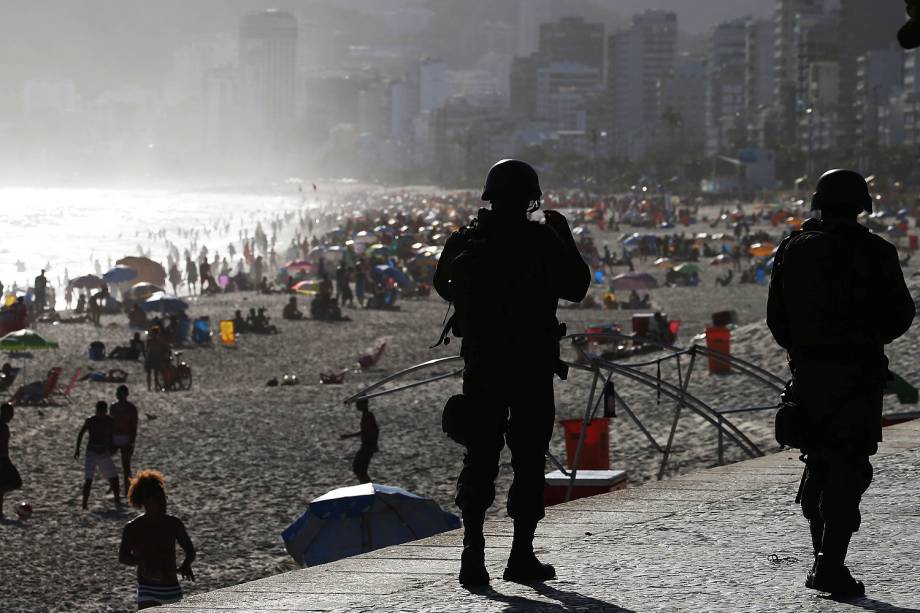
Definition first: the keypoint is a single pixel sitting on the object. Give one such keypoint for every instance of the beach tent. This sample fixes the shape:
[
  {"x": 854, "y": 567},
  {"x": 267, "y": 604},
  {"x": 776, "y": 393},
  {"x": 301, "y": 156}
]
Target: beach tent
[
  {"x": 633, "y": 280},
  {"x": 164, "y": 303},
  {"x": 352, "y": 520},
  {"x": 147, "y": 269}
]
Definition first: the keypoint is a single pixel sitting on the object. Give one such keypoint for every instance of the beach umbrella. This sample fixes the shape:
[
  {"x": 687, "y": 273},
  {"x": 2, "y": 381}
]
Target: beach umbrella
[
  {"x": 25, "y": 340},
  {"x": 662, "y": 263},
  {"x": 145, "y": 290},
  {"x": 163, "y": 302},
  {"x": 295, "y": 266},
  {"x": 759, "y": 250},
  {"x": 119, "y": 274},
  {"x": 633, "y": 280},
  {"x": 686, "y": 268},
  {"x": 87, "y": 282},
  {"x": 353, "y": 520},
  {"x": 376, "y": 248},
  {"x": 720, "y": 260},
  {"x": 307, "y": 288},
  {"x": 147, "y": 269}
]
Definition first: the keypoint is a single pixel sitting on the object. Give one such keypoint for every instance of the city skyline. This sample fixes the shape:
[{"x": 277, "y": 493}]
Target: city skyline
[{"x": 403, "y": 90}]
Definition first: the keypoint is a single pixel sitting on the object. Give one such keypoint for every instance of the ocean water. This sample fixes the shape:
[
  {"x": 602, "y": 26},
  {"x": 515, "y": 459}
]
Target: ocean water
[{"x": 84, "y": 231}]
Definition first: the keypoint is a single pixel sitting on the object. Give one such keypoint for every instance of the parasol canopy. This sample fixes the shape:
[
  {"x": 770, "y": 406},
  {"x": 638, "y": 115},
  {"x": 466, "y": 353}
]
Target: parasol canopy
[
  {"x": 686, "y": 268},
  {"x": 353, "y": 520},
  {"x": 163, "y": 302},
  {"x": 120, "y": 274},
  {"x": 147, "y": 269},
  {"x": 633, "y": 281},
  {"x": 87, "y": 282},
  {"x": 25, "y": 340}
]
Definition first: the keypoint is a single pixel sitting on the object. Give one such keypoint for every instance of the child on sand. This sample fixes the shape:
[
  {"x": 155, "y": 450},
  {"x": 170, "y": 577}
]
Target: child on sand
[
  {"x": 149, "y": 542},
  {"x": 99, "y": 449},
  {"x": 9, "y": 476}
]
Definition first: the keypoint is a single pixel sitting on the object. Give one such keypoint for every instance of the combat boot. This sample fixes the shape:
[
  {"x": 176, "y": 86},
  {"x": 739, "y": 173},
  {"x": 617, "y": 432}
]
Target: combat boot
[
  {"x": 830, "y": 574},
  {"x": 817, "y": 537},
  {"x": 523, "y": 566},
  {"x": 473, "y": 571}
]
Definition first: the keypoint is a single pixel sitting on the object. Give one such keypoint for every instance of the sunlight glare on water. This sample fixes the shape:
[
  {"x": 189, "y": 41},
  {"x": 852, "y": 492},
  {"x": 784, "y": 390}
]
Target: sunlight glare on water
[{"x": 73, "y": 228}]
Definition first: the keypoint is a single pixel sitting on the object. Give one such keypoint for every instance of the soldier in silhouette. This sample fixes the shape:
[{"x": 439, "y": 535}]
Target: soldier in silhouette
[
  {"x": 504, "y": 274},
  {"x": 837, "y": 297}
]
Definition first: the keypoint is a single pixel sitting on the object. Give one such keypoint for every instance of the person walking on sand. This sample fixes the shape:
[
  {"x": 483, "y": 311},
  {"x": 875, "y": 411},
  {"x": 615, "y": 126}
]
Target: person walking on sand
[
  {"x": 9, "y": 476},
  {"x": 505, "y": 274},
  {"x": 149, "y": 543},
  {"x": 98, "y": 451},
  {"x": 369, "y": 434},
  {"x": 124, "y": 433},
  {"x": 191, "y": 274}
]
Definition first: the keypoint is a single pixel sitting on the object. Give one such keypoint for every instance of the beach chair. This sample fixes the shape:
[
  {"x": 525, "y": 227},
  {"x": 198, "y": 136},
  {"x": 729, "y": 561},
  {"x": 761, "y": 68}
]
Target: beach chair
[
  {"x": 370, "y": 360},
  {"x": 28, "y": 395},
  {"x": 227, "y": 333},
  {"x": 71, "y": 384}
]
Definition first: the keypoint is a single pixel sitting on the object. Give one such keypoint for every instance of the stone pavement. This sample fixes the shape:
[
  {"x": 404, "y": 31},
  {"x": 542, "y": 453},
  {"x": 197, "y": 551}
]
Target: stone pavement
[{"x": 725, "y": 539}]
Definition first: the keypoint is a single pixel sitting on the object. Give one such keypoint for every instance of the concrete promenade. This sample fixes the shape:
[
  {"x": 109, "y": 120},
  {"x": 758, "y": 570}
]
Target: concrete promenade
[{"x": 725, "y": 539}]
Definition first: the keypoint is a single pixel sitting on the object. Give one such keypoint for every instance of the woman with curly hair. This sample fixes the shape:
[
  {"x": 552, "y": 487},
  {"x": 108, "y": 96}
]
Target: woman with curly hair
[{"x": 149, "y": 542}]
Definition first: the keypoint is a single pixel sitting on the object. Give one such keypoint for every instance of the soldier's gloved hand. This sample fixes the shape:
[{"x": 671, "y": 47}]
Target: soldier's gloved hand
[{"x": 557, "y": 221}]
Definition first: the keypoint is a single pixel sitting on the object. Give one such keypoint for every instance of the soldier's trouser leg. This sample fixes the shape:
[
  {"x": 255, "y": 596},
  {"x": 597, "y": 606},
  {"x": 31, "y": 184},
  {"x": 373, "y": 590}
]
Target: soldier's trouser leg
[
  {"x": 834, "y": 485},
  {"x": 476, "y": 483},
  {"x": 532, "y": 418},
  {"x": 533, "y": 414}
]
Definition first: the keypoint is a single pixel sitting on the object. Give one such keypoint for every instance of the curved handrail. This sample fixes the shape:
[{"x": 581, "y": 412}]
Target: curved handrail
[
  {"x": 400, "y": 374},
  {"x": 764, "y": 376},
  {"x": 693, "y": 403}
]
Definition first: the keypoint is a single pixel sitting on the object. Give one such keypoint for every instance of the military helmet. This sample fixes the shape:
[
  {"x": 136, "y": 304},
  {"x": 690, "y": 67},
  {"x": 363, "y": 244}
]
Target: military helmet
[
  {"x": 512, "y": 178},
  {"x": 842, "y": 190}
]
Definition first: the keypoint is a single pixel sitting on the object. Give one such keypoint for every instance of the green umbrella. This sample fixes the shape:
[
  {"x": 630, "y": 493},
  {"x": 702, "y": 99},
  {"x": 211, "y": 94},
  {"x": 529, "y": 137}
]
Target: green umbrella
[
  {"x": 25, "y": 340},
  {"x": 686, "y": 269}
]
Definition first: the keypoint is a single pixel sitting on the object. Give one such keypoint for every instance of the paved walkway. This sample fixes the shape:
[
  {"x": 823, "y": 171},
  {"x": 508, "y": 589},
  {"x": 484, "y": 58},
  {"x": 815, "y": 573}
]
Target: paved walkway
[{"x": 724, "y": 539}]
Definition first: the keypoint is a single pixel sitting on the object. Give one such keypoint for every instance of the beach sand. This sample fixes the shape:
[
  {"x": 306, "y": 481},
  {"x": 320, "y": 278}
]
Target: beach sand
[{"x": 243, "y": 460}]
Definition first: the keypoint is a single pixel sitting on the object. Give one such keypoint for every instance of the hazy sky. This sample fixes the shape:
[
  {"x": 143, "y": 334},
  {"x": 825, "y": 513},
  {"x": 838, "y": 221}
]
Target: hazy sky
[{"x": 99, "y": 42}]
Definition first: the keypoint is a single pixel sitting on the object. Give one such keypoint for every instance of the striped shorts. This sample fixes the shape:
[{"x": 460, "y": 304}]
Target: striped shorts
[{"x": 158, "y": 594}]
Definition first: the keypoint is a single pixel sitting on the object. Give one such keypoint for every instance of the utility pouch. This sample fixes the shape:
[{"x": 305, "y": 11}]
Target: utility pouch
[
  {"x": 789, "y": 426},
  {"x": 455, "y": 419}
]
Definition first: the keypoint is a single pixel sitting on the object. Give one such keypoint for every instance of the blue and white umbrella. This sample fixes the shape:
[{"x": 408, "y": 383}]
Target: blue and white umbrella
[
  {"x": 120, "y": 274},
  {"x": 352, "y": 520},
  {"x": 163, "y": 302}
]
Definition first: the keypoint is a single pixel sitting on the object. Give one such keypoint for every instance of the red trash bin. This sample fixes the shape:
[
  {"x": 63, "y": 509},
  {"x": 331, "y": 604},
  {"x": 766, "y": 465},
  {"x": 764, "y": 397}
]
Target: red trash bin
[
  {"x": 595, "y": 452},
  {"x": 719, "y": 339}
]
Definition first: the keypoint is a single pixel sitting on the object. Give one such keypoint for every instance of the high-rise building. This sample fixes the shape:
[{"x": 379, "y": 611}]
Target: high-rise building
[
  {"x": 565, "y": 91},
  {"x": 531, "y": 14},
  {"x": 865, "y": 25},
  {"x": 573, "y": 40},
  {"x": 879, "y": 74},
  {"x": 785, "y": 67},
  {"x": 434, "y": 84},
  {"x": 638, "y": 58},
  {"x": 758, "y": 72},
  {"x": 524, "y": 85},
  {"x": 682, "y": 97},
  {"x": 268, "y": 75},
  {"x": 725, "y": 92}
]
